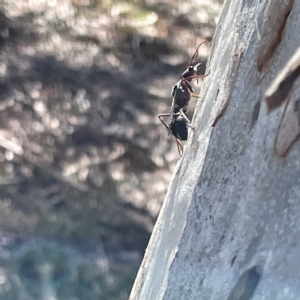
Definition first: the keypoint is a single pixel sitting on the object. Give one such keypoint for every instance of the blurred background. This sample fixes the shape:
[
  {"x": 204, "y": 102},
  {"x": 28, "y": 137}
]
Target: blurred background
[{"x": 84, "y": 161}]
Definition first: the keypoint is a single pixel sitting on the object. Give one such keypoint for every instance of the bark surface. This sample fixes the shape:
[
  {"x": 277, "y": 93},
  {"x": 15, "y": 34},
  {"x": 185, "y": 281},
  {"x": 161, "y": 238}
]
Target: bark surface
[{"x": 229, "y": 226}]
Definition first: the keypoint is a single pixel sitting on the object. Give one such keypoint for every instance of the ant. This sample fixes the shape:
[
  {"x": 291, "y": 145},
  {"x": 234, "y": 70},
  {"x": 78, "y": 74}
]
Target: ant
[{"x": 182, "y": 92}]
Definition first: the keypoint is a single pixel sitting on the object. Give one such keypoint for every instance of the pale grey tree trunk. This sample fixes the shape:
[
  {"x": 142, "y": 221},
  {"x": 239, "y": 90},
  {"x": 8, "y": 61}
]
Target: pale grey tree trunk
[{"x": 229, "y": 227}]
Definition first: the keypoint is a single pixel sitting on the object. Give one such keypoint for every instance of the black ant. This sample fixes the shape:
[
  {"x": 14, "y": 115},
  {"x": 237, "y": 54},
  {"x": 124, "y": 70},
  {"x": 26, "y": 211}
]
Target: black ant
[{"x": 182, "y": 92}]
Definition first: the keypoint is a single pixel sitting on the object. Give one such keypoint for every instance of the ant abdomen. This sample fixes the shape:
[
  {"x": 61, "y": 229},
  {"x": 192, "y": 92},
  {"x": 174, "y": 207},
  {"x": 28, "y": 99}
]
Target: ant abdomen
[{"x": 179, "y": 128}]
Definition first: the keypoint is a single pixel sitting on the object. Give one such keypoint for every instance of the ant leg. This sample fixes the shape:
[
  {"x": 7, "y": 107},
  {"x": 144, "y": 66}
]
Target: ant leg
[
  {"x": 195, "y": 95},
  {"x": 184, "y": 115},
  {"x": 187, "y": 119},
  {"x": 179, "y": 146},
  {"x": 160, "y": 118},
  {"x": 192, "y": 127},
  {"x": 198, "y": 76}
]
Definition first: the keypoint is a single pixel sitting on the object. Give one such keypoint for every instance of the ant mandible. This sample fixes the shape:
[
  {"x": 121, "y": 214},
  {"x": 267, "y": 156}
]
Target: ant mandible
[{"x": 182, "y": 92}]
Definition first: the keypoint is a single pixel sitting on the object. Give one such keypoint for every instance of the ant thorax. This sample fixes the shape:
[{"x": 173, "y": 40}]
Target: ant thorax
[{"x": 181, "y": 93}]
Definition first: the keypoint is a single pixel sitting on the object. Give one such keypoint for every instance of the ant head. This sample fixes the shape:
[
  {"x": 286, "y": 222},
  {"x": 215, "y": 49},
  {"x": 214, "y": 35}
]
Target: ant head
[
  {"x": 190, "y": 71},
  {"x": 179, "y": 127}
]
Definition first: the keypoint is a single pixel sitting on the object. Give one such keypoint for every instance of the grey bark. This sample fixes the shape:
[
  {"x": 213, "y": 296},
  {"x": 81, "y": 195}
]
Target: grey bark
[{"x": 229, "y": 227}]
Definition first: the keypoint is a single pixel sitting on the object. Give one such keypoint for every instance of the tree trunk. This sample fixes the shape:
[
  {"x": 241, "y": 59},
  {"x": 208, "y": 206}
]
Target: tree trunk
[{"x": 230, "y": 224}]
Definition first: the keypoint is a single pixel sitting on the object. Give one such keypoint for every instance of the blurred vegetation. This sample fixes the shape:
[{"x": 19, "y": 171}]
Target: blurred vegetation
[{"x": 84, "y": 161}]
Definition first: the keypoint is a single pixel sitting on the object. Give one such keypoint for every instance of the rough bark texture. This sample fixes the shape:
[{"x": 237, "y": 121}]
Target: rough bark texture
[{"x": 229, "y": 226}]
